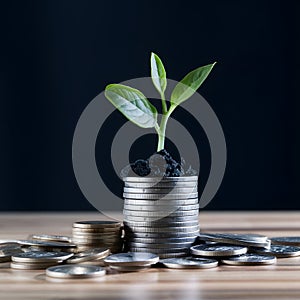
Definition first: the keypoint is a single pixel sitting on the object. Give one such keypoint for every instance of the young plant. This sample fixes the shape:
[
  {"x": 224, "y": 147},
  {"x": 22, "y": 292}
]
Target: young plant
[{"x": 138, "y": 109}]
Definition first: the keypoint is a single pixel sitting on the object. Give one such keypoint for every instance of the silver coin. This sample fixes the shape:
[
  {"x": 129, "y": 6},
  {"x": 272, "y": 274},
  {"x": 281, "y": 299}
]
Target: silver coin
[
  {"x": 161, "y": 207},
  {"x": 161, "y": 213},
  {"x": 132, "y": 259},
  {"x": 249, "y": 259},
  {"x": 162, "y": 240},
  {"x": 33, "y": 266},
  {"x": 48, "y": 249},
  {"x": 233, "y": 241},
  {"x": 10, "y": 249},
  {"x": 51, "y": 238},
  {"x": 286, "y": 240},
  {"x": 104, "y": 231},
  {"x": 165, "y": 220},
  {"x": 162, "y": 229},
  {"x": 88, "y": 255},
  {"x": 159, "y": 224},
  {"x": 166, "y": 245},
  {"x": 97, "y": 233},
  {"x": 163, "y": 179},
  {"x": 101, "y": 224},
  {"x": 160, "y": 196},
  {"x": 100, "y": 245},
  {"x": 159, "y": 251},
  {"x": 38, "y": 243},
  {"x": 249, "y": 237},
  {"x": 217, "y": 250},
  {"x": 167, "y": 185},
  {"x": 189, "y": 263},
  {"x": 163, "y": 191},
  {"x": 173, "y": 255},
  {"x": 86, "y": 240},
  {"x": 130, "y": 268},
  {"x": 161, "y": 234},
  {"x": 278, "y": 251},
  {"x": 161, "y": 202},
  {"x": 39, "y": 256},
  {"x": 86, "y": 248},
  {"x": 75, "y": 271},
  {"x": 5, "y": 258}
]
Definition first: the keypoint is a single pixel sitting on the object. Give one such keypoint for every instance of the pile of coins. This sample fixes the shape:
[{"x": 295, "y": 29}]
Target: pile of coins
[
  {"x": 210, "y": 250},
  {"x": 98, "y": 234},
  {"x": 161, "y": 217}
]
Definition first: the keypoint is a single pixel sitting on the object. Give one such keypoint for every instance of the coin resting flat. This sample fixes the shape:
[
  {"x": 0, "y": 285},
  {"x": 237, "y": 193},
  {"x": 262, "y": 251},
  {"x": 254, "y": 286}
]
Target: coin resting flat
[
  {"x": 250, "y": 259},
  {"x": 189, "y": 263},
  {"x": 132, "y": 259},
  {"x": 75, "y": 271},
  {"x": 218, "y": 250}
]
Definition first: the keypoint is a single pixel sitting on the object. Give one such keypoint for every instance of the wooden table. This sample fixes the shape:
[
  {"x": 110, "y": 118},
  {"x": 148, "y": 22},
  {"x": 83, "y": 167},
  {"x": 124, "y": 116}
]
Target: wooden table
[{"x": 280, "y": 281}]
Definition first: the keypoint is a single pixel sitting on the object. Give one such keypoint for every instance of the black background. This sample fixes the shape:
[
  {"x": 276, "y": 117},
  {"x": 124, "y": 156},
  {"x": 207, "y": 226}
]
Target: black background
[{"x": 56, "y": 56}]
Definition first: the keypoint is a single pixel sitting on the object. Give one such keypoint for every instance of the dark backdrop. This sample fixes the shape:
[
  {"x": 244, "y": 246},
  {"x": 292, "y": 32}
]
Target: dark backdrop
[{"x": 56, "y": 56}]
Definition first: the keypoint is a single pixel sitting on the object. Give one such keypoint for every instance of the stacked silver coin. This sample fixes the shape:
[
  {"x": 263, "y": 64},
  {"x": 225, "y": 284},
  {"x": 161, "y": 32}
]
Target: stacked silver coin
[
  {"x": 98, "y": 234},
  {"x": 36, "y": 260},
  {"x": 161, "y": 215},
  {"x": 131, "y": 261}
]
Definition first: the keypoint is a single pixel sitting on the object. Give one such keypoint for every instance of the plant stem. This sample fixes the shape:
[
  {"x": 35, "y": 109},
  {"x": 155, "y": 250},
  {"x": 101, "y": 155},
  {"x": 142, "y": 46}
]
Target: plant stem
[
  {"x": 161, "y": 130},
  {"x": 164, "y": 104}
]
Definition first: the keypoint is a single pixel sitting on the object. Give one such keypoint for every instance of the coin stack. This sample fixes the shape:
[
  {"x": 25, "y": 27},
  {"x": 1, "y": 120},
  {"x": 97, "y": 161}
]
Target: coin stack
[
  {"x": 161, "y": 215},
  {"x": 36, "y": 260},
  {"x": 131, "y": 261},
  {"x": 98, "y": 234}
]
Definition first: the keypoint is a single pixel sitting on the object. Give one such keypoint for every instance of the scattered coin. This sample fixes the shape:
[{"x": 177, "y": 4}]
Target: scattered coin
[
  {"x": 173, "y": 255},
  {"x": 5, "y": 258},
  {"x": 189, "y": 263},
  {"x": 75, "y": 271},
  {"x": 217, "y": 250},
  {"x": 89, "y": 255},
  {"x": 38, "y": 243},
  {"x": 38, "y": 256},
  {"x": 233, "y": 240},
  {"x": 278, "y": 251},
  {"x": 286, "y": 240},
  {"x": 160, "y": 251},
  {"x": 10, "y": 249},
  {"x": 51, "y": 238},
  {"x": 132, "y": 259},
  {"x": 33, "y": 266},
  {"x": 130, "y": 268},
  {"x": 249, "y": 259}
]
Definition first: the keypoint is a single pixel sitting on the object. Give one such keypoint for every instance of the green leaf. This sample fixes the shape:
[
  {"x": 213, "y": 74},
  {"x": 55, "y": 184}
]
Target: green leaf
[
  {"x": 189, "y": 84},
  {"x": 132, "y": 104},
  {"x": 158, "y": 73}
]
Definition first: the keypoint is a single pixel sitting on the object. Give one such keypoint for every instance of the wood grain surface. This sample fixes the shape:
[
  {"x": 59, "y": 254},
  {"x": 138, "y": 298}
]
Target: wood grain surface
[{"x": 280, "y": 281}]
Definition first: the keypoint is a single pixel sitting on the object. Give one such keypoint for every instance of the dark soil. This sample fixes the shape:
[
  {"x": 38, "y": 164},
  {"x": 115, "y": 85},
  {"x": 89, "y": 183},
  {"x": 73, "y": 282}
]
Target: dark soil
[{"x": 159, "y": 164}]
